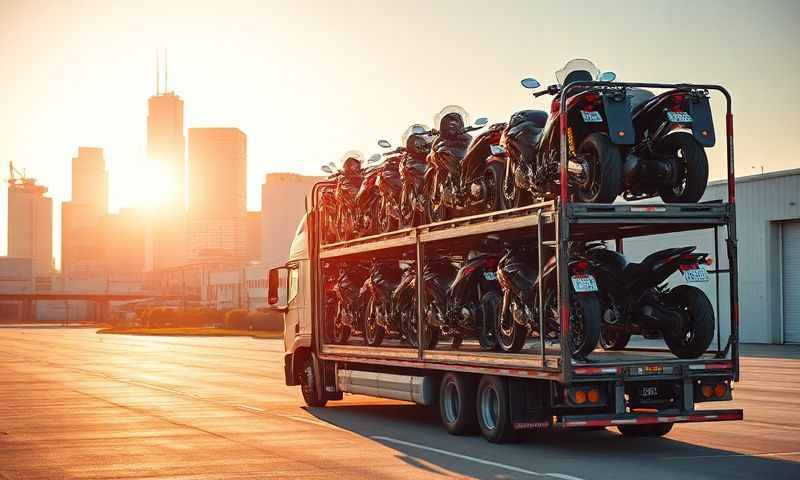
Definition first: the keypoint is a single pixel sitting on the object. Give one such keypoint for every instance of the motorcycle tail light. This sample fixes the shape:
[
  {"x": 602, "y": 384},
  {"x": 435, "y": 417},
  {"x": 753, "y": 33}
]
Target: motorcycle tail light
[
  {"x": 491, "y": 263},
  {"x": 677, "y": 103},
  {"x": 580, "y": 266}
]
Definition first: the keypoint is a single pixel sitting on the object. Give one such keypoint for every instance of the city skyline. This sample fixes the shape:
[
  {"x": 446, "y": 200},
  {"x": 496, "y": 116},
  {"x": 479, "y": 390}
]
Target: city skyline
[{"x": 250, "y": 76}]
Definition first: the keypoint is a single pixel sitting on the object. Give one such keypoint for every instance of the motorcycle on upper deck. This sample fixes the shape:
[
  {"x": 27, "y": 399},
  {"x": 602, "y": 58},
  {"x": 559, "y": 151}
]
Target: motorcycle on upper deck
[
  {"x": 598, "y": 123},
  {"x": 464, "y": 176},
  {"x": 368, "y": 198},
  {"x": 406, "y": 207}
]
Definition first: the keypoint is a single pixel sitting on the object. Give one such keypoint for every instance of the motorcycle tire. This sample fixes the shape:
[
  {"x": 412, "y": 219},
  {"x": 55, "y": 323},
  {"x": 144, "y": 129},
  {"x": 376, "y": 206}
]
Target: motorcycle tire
[
  {"x": 490, "y": 309},
  {"x": 588, "y": 327},
  {"x": 493, "y": 182},
  {"x": 694, "y": 178},
  {"x": 612, "y": 339},
  {"x": 694, "y": 341},
  {"x": 373, "y": 332},
  {"x": 435, "y": 212},
  {"x": 341, "y": 333},
  {"x": 606, "y": 170},
  {"x": 511, "y": 339},
  {"x": 345, "y": 225}
]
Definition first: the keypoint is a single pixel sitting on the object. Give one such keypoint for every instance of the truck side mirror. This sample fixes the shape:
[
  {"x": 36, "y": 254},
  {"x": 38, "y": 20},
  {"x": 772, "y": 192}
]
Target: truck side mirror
[{"x": 278, "y": 288}]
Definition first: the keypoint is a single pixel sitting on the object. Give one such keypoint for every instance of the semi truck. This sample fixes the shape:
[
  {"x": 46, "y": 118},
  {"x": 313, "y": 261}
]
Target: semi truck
[{"x": 642, "y": 390}]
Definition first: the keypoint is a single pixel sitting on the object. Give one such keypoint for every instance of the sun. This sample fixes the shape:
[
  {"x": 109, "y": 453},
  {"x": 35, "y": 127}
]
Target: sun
[{"x": 146, "y": 186}]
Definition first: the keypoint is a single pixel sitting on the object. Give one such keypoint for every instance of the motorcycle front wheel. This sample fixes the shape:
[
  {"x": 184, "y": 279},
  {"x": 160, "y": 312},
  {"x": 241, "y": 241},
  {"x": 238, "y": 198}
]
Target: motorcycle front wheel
[
  {"x": 435, "y": 208},
  {"x": 430, "y": 336},
  {"x": 345, "y": 225},
  {"x": 510, "y": 334},
  {"x": 604, "y": 176},
  {"x": 341, "y": 332},
  {"x": 493, "y": 182},
  {"x": 386, "y": 221},
  {"x": 373, "y": 330},
  {"x": 490, "y": 310}
]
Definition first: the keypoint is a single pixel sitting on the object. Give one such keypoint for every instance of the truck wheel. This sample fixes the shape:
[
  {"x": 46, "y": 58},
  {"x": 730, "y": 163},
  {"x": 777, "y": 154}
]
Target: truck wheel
[
  {"x": 494, "y": 410},
  {"x": 693, "y": 165},
  {"x": 648, "y": 430},
  {"x": 457, "y": 404},
  {"x": 693, "y": 340},
  {"x": 312, "y": 395},
  {"x": 604, "y": 182}
]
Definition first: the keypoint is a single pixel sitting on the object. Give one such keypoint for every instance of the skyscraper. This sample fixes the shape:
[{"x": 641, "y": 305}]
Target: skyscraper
[
  {"x": 217, "y": 192},
  {"x": 30, "y": 223}
]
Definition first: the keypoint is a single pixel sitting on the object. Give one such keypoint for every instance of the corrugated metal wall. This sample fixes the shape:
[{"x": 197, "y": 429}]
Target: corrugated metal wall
[{"x": 762, "y": 203}]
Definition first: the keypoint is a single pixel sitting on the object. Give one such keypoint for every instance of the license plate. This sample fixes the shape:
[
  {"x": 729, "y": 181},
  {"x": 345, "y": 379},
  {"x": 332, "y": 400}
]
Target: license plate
[
  {"x": 584, "y": 283},
  {"x": 648, "y": 391},
  {"x": 694, "y": 274},
  {"x": 591, "y": 117},
  {"x": 679, "y": 117},
  {"x": 490, "y": 275}
]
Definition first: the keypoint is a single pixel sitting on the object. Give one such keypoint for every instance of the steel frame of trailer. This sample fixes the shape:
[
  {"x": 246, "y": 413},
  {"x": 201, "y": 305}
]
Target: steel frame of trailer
[{"x": 570, "y": 221}]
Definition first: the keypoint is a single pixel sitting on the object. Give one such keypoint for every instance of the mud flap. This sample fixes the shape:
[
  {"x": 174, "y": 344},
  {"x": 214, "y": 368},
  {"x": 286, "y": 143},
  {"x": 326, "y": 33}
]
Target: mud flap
[
  {"x": 702, "y": 122},
  {"x": 619, "y": 120}
]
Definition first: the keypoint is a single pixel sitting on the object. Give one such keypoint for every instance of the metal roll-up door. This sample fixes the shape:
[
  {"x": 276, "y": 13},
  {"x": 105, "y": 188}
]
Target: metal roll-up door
[{"x": 790, "y": 248}]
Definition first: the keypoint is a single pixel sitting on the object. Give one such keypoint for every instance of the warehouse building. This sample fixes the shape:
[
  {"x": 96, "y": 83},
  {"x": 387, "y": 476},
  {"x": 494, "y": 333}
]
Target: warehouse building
[{"x": 768, "y": 224}]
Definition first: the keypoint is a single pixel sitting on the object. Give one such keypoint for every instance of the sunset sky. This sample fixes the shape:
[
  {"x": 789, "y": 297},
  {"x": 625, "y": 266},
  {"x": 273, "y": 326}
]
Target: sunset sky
[{"x": 307, "y": 81}]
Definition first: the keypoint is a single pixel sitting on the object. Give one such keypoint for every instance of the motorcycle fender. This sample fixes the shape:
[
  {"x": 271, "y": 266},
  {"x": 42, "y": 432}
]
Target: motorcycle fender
[
  {"x": 619, "y": 120},
  {"x": 702, "y": 122}
]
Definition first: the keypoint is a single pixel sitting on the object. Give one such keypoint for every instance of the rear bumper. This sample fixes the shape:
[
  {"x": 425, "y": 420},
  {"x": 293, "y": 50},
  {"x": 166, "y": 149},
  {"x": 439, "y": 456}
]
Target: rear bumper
[{"x": 569, "y": 421}]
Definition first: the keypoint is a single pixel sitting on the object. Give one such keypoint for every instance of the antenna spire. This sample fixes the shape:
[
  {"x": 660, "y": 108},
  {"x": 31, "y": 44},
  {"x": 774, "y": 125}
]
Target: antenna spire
[{"x": 158, "y": 76}]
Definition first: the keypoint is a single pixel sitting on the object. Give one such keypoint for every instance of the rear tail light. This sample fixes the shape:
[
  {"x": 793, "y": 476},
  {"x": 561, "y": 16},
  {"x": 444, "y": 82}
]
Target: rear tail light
[
  {"x": 707, "y": 391},
  {"x": 591, "y": 101},
  {"x": 720, "y": 390},
  {"x": 709, "y": 261},
  {"x": 586, "y": 395},
  {"x": 677, "y": 102},
  {"x": 580, "y": 397},
  {"x": 580, "y": 266}
]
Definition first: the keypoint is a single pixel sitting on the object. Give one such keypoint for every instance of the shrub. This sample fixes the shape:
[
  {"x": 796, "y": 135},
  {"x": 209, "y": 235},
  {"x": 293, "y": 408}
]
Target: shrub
[{"x": 269, "y": 321}]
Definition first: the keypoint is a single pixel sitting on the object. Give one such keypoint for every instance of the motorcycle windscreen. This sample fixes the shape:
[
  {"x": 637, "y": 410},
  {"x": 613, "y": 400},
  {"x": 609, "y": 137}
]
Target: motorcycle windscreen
[
  {"x": 702, "y": 122},
  {"x": 619, "y": 119}
]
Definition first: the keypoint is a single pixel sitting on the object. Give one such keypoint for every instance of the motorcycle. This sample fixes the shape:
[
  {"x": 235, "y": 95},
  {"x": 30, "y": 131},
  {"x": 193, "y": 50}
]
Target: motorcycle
[
  {"x": 464, "y": 176},
  {"x": 347, "y": 317},
  {"x": 519, "y": 279},
  {"x": 348, "y": 185},
  {"x": 327, "y": 208},
  {"x": 635, "y": 300},
  {"x": 437, "y": 275},
  {"x": 407, "y": 207},
  {"x": 376, "y": 298},
  {"x": 389, "y": 185},
  {"x": 474, "y": 298},
  {"x": 669, "y": 159},
  {"x": 367, "y": 218},
  {"x": 599, "y": 121}
]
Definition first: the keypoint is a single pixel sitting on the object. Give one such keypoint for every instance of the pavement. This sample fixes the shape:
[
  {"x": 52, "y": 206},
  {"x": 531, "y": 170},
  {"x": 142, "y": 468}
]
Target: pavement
[{"x": 74, "y": 404}]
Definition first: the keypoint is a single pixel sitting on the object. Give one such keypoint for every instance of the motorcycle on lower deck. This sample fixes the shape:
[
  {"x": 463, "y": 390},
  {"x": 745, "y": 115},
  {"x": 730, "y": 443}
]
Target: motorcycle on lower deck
[
  {"x": 376, "y": 299},
  {"x": 347, "y": 318},
  {"x": 636, "y": 301},
  {"x": 599, "y": 122},
  {"x": 669, "y": 159},
  {"x": 519, "y": 314}
]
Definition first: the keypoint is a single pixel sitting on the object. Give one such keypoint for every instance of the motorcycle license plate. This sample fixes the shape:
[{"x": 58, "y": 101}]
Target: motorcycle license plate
[
  {"x": 490, "y": 275},
  {"x": 694, "y": 274},
  {"x": 591, "y": 117},
  {"x": 648, "y": 391},
  {"x": 679, "y": 117},
  {"x": 584, "y": 283}
]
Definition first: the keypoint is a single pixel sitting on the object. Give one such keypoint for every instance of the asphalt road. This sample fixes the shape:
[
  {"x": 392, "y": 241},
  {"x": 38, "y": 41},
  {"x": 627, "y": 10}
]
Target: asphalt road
[{"x": 74, "y": 404}]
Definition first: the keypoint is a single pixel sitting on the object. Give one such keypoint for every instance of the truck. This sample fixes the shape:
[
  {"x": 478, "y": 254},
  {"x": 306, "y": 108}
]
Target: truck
[{"x": 641, "y": 390}]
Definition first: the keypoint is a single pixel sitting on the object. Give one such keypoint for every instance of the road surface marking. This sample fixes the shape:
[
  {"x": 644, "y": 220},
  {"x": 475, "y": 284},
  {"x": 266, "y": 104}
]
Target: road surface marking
[
  {"x": 252, "y": 409},
  {"x": 725, "y": 455},
  {"x": 474, "y": 459}
]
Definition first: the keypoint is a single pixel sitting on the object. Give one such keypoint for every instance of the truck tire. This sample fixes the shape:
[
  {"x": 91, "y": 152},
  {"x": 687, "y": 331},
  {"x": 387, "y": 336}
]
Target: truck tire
[
  {"x": 457, "y": 404},
  {"x": 694, "y": 340},
  {"x": 309, "y": 383},
  {"x": 494, "y": 410},
  {"x": 694, "y": 172},
  {"x": 648, "y": 430}
]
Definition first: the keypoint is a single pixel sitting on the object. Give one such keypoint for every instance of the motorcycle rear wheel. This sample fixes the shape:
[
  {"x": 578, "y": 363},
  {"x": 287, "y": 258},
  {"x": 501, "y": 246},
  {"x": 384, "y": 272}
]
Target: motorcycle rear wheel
[
  {"x": 695, "y": 339},
  {"x": 613, "y": 339},
  {"x": 373, "y": 331},
  {"x": 341, "y": 332},
  {"x": 605, "y": 170},
  {"x": 694, "y": 168},
  {"x": 493, "y": 182}
]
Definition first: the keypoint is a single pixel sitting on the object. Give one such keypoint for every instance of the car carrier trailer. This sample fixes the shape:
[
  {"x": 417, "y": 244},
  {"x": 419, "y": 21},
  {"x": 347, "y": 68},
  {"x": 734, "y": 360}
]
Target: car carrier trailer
[{"x": 642, "y": 391}]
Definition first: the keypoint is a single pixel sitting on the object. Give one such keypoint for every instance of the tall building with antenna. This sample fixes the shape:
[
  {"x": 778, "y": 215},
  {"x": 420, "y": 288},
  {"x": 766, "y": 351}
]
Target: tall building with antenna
[{"x": 166, "y": 145}]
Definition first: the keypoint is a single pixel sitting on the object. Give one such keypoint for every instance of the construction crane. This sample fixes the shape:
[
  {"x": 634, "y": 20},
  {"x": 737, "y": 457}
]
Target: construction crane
[{"x": 18, "y": 180}]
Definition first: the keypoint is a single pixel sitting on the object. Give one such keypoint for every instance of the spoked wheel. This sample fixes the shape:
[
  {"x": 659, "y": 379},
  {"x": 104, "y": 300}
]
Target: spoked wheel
[
  {"x": 511, "y": 334},
  {"x": 312, "y": 395},
  {"x": 341, "y": 331},
  {"x": 374, "y": 315},
  {"x": 692, "y": 161},
  {"x": 603, "y": 180},
  {"x": 430, "y": 335},
  {"x": 493, "y": 182},
  {"x": 693, "y": 339},
  {"x": 434, "y": 206}
]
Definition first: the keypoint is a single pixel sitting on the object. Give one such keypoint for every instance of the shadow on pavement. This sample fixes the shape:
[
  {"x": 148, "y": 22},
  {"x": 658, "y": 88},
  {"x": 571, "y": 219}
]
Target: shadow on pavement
[
  {"x": 581, "y": 454},
  {"x": 758, "y": 350}
]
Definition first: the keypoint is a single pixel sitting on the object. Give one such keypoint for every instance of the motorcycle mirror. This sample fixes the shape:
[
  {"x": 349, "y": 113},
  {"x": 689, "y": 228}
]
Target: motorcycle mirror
[
  {"x": 384, "y": 144},
  {"x": 607, "y": 77},
  {"x": 374, "y": 158},
  {"x": 530, "y": 83},
  {"x": 481, "y": 121},
  {"x": 326, "y": 169}
]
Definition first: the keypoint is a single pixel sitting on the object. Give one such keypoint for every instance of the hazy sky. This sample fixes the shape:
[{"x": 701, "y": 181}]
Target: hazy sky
[{"x": 307, "y": 81}]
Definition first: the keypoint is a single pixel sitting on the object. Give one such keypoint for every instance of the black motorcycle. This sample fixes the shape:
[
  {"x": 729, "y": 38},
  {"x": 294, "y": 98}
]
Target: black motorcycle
[
  {"x": 518, "y": 274},
  {"x": 348, "y": 184},
  {"x": 368, "y": 198},
  {"x": 668, "y": 159},
  {"x": 347, "y": 315},
  {"x": 327, "y": 206},
  {"x": 464, "y": 176},
  {"x": 635, "y": 300},
  {"x": 437, "y": 275},
  {"x": 406, "y": 207},
  {"x": 376, "y": 298},
  {"x": 474, "y": 298},
  {"x": 599, "y": 121}
]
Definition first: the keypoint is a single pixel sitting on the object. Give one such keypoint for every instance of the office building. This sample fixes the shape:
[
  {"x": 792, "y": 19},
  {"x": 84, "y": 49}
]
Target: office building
[{"x": 30, "y": 224}]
